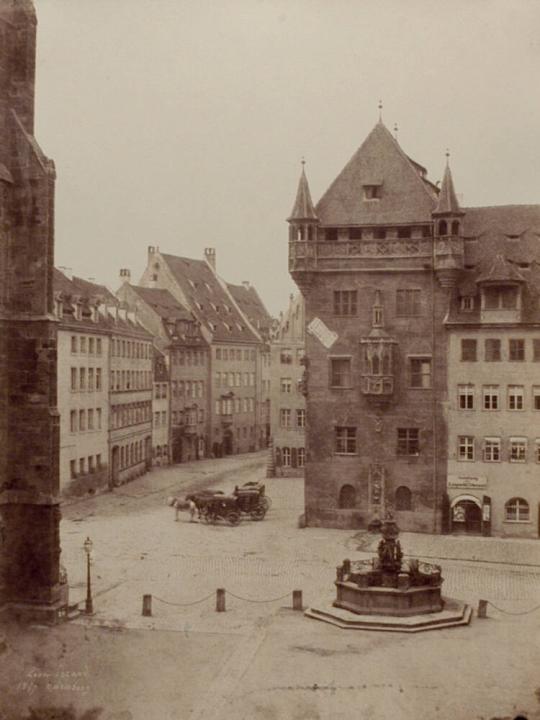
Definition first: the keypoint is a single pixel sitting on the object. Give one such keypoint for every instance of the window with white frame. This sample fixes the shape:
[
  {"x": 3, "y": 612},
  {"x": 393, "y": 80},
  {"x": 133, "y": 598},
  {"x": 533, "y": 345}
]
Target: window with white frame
[
  {"x": 516, "y": 510},
  {"x": 420, "y": 372},
  {"x": 490, "y": 394},
  {"x": 466, "y": 447},
  {"x": 345, "y": 440},
  {"x": 285, "y": 385},
  {"x": 301, "y": 457},
  {"x": 518, "y": 449},
  {"x": 515, "y": 397},
  {"x": 466, "y": 397},
  {"x": 301, "y": 418},
  {"x": 467, "y": 303},
  {"x": 285, "y": 417},
  {"x": 492, "y": 449},
  {"x": 286, "y": 456}
]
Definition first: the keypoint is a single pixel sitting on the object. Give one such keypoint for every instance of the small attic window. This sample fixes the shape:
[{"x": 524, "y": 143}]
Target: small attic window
[
  {"x": 372, "y": 192},
  {"x": 524, "y": 265},
  {"x": 355, "y": 233},
  {"x": 404, "y": 232},
  {"x": 467, "y": 303},
  {"x": 379, "y": 233},
  {"x": 330, "y": 234},
  {"x": 513, "y": 237},
  {"x": 469, "y": 267}
]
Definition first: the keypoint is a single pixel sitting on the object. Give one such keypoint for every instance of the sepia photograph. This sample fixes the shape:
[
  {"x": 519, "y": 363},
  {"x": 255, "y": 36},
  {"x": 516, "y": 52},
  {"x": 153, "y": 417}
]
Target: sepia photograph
[{"x": 269, "y": 360}]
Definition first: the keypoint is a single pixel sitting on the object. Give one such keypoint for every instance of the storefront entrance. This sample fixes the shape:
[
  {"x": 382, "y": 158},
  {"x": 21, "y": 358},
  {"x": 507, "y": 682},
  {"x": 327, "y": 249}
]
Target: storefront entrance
[{"x": 466, "y": 516}]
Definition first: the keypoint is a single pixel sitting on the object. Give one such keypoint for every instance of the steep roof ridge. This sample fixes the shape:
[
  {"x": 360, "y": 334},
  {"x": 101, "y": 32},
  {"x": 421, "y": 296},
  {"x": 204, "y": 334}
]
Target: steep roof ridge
[
  {"x": 238, "y": 308},
  {"x": 388, "y": 135},
  {"x": 500, "y": 270}
]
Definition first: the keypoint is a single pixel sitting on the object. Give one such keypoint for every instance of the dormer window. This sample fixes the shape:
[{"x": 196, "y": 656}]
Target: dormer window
[
  {"x": 501, "y": 297},
  {"x": 372, "y": 192},
  {"x": 467, "y": 303}
]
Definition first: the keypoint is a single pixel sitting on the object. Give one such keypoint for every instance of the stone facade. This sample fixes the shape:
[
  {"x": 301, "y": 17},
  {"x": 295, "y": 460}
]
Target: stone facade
[
  {"x": 29, "y": 425},
  {"x": 287, "y": 403},
  {"x": 401, "y": 286}
]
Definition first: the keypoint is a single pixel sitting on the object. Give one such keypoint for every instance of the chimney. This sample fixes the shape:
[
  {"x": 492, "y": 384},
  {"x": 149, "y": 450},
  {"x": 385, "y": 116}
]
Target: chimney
[
  {"x": 151, "y": 250},
  {"x": 210, "y": 257},
  {"x": 246, "y": 284},
  {"x": 125, "y": 275}
]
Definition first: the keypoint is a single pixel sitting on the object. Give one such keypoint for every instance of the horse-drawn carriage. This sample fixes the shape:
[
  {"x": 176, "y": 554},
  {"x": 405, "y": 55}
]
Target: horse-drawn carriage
[{"x": 248, "y": 500}]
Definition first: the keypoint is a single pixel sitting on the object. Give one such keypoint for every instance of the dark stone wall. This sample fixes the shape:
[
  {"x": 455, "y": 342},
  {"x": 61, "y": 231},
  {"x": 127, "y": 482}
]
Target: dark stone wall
[
  {"x": 29, "y": 427},
  {"x": 376, "y": 421}
]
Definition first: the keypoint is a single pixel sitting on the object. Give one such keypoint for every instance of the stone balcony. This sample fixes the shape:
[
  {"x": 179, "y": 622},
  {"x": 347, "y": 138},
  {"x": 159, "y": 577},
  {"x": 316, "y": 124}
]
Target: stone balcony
[
  {"x": 356, "y": 254},
  {"x": 378, "y": 385}
]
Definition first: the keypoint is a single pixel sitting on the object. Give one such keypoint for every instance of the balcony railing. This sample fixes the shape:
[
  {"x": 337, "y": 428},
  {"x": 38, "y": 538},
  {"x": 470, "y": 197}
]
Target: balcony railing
[{"x": 378, "y": 384}]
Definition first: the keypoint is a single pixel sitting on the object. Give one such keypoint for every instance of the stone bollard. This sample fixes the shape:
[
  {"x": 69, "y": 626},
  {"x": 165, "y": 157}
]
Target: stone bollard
[
  {"x": 482, "y": 609},
  {"x": 346, "y": 567},
  {"x": 147, "y": 605},
  {"x": 297, "y": 600},
  {"x": 220, "y": 600},
  {"x": 339, "y": 573}
]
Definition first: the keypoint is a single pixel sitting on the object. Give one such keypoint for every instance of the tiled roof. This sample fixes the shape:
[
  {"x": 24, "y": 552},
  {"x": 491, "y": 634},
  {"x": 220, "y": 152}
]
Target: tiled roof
[
  {"x": 303, "y": 206},
  {"x": 501, "y": 219},
  {"x": 252, "y": 306},
  {"x": 209, "y": 301},
  {"x": 163, "y": 303},
  {"x": 500, "y": 270},
  {"x": 406, "y": 195},
  {"x": 89, "y": 289}
]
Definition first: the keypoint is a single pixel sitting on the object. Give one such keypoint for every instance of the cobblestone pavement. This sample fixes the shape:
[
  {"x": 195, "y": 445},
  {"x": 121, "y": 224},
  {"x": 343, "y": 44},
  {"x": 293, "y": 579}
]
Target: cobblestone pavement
[{"x": 271, "y": 663}]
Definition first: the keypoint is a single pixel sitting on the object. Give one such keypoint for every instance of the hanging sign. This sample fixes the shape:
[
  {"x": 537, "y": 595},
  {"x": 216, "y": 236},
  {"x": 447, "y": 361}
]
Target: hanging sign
[{"x": 323, "y": 333}]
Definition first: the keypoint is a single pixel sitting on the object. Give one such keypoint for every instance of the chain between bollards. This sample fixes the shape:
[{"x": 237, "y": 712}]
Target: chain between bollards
[{"x": 297, "y": 601}]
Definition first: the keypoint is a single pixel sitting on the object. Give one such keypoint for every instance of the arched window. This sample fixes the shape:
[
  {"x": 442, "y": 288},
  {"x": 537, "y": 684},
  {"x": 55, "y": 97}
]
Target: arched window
[
  {"x": 516, "y": 510},
  {"x": 443, "y": 228},
  {"x": 347, "y": 497},
  {"x": 455, "y": 227},
  {"x": 403, "y": 498}
]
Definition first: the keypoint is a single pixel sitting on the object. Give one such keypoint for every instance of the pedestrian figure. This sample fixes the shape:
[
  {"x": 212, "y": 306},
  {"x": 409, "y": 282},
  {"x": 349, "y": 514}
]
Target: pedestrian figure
[{"x": 192, "y": 510}]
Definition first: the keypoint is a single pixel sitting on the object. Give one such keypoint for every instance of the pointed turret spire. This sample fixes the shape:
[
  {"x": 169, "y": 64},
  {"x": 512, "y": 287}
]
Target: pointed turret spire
[
  {"x": 447, "y": 203},
  {"x": 303, "y": 207}
]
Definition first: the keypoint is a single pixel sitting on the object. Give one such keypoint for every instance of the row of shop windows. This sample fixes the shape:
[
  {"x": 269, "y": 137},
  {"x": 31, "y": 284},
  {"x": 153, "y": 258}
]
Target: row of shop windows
[
  {"x": 492, "y": 449},
  {"x": 131, "y": 380},
  {"x": 85, "y": 465},
  {"x": 86, "y": 379},
  {"x": 286, "y": 417},
  {"x": 418, "y": 370},
  {"x": 491, "y": 397},
  {"x": 227, "y": 406},
  {"x": 82, "y": 344},
  {"x": 188, "y": 357},
  {"x": 131, "y": 349},
  {"x": 516, "y": 350},
  {"x": 86, "y": 419},
  {"x": 235, "y": 379},
  {"x": 131, "y": 454},
  {"x": 235, "y": 354},
  {"x": 130, "y": 414},
  {"x": 345, "y": 441},
  {"x": 290, "y": 457}
]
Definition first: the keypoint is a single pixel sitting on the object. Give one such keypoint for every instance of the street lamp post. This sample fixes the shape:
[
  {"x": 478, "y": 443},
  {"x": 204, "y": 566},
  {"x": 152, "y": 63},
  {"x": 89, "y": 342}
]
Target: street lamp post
[{"x": 89, "y": 604}]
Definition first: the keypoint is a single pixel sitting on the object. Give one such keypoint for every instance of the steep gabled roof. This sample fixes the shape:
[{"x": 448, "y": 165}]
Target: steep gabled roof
[
  {"x": 406, "y": 195},
  {"x": 303, "y": 206},
  {"x": 252, "y": 306},
  {"x": 209, "y": 300},
  {"x": 163, "y": 303},
  {"x": 90, "y": 289},
  {"x": 509, "y": 220}
]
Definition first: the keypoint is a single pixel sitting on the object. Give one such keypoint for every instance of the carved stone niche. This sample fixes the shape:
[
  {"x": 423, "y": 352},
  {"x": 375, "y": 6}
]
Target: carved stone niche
[{"x": 377, "y": 486}]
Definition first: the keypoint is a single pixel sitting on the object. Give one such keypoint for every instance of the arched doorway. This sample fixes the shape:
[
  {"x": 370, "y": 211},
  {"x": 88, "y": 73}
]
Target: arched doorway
[
  {"x": 466, "y": 515},
  {"x": 347, "y": 497}
]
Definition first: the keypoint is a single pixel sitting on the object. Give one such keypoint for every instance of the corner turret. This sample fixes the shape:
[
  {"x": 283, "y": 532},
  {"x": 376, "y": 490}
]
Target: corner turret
[{"x": 447, "y": 221}]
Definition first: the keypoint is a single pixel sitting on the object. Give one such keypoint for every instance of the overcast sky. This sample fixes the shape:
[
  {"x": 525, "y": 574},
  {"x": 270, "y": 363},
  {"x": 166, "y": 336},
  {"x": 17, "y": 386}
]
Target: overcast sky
[{"x": 182, "y": 124}]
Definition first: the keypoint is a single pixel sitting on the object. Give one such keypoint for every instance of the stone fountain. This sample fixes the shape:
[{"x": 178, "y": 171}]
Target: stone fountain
[{"x": 388, "y": 593}]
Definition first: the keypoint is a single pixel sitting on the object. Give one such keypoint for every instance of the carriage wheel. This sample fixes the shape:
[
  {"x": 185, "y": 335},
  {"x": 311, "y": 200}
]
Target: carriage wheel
[
  {"x": 266, "y": 503},
  {"x": 258, "y": 513},
  {"x": 233, "y": 518}
]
